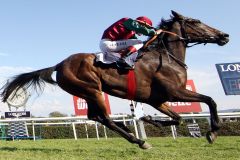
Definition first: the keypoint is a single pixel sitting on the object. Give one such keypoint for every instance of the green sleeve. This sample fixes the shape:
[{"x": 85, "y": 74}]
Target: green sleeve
[{"x": 133, "y": 25}]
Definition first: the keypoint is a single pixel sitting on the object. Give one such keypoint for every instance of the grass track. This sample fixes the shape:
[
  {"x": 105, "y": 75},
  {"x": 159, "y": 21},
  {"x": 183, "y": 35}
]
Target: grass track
[{"x": 164, "y": 148}]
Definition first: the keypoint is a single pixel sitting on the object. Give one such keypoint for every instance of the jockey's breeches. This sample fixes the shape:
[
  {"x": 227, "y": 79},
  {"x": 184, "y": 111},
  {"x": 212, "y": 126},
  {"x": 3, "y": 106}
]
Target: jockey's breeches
[{"x": 107, "y": 45}]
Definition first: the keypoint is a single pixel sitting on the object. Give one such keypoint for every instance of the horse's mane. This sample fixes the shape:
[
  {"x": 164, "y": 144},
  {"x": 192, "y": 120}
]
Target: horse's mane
[{"x": 164, "y": 24}]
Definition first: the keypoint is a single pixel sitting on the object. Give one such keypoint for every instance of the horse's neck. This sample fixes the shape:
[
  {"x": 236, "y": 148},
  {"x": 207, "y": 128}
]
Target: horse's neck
[
  {"x": 176, "y": 48},
  {"x": 170, "y": 48}
]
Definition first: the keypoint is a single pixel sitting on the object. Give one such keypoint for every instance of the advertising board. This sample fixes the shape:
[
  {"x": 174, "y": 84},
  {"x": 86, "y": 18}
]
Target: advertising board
[
  {"x": 229, "y": 74},
  {"x": 81, "y": 107}
]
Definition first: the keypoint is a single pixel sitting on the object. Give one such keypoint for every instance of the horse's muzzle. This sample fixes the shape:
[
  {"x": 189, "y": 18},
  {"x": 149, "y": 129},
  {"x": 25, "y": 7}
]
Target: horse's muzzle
[{"x": 223, "y": 39}]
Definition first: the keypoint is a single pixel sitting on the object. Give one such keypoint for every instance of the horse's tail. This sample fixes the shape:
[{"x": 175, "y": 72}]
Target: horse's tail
[{"x": 35, "y": 79}]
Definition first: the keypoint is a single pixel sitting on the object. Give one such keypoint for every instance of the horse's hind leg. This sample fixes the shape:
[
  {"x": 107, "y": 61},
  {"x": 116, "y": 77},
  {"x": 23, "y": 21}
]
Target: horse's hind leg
[
  {"x": 97, "y": 112},
  {"x": 121, "y": 125}
]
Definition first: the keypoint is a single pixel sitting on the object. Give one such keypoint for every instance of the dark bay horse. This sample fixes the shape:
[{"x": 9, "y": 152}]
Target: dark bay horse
[{"x": 160, "y": 76}]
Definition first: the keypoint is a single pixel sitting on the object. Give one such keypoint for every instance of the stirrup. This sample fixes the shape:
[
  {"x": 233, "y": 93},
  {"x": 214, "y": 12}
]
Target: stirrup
[{"x": 123, "y": 65}]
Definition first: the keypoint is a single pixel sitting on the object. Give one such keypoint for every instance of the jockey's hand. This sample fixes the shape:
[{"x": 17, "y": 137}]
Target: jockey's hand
[{"x": 159, "y": 31}]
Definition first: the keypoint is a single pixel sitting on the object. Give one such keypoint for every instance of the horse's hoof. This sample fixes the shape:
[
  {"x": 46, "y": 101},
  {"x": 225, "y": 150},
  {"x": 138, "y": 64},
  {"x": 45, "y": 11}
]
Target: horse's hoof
[
  {"x": 211, "y": 136},
  {"x": 145, "y": 145}
]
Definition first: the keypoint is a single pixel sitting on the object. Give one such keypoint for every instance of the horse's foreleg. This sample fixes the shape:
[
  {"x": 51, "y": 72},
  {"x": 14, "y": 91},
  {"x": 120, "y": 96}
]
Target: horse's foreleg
[
  {"x": 159, "y": 123},
  {"x": 164, "y": 108},
  {"x": 189, "y": 96}
]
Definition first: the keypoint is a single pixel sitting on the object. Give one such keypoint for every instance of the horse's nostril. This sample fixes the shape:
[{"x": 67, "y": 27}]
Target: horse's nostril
[{"x": 225, "y": 35}]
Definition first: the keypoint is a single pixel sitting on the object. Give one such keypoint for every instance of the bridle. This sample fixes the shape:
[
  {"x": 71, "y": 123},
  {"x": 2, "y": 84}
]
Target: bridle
[{"x": 185, "y": 38}]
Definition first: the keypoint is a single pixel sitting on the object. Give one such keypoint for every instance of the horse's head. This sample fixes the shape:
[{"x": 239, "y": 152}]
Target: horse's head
[{"x": 194, "y": 31}]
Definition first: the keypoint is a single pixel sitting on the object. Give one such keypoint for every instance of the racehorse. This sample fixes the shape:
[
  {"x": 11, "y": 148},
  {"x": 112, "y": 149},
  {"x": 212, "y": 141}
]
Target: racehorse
[{"x": 160, "y": 75}]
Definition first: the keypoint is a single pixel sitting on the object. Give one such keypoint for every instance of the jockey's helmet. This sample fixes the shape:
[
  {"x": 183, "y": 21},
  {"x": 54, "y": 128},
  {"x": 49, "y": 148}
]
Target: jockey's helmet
[{"x": 145, "y": 20}]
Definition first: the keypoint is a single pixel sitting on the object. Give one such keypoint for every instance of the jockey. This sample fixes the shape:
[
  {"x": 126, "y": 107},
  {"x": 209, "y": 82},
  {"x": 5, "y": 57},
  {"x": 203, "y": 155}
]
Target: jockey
[{"x": 121, "y": 37}]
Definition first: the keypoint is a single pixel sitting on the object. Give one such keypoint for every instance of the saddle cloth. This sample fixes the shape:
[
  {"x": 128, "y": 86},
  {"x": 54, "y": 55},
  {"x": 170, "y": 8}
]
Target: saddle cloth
[{"x": 112, "y": 57}]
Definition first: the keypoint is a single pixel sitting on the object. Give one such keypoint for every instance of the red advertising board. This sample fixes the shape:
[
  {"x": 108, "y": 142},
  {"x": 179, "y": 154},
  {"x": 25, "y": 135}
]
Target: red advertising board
[
  {"x": 186, "y": 107},
  {"x": 81, "y": 107}
]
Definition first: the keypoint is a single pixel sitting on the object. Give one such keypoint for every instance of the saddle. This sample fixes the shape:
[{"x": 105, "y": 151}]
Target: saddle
[{"x": 111, "y": 58}]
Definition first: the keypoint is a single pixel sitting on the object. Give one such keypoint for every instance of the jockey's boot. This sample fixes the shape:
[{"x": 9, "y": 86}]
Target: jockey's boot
[{"x": 121, "y": 63}]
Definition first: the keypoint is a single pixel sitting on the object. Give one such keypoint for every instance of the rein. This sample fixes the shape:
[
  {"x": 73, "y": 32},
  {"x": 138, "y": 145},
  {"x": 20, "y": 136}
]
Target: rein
[
  {"x": 180, "y": 62},
  {"x": 163, "y": 31},
  {"x": 168, "y": 53}
]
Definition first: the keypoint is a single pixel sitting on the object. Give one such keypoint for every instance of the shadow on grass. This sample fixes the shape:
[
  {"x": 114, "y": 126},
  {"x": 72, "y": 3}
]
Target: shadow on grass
[{"x": 15, "y": 149}]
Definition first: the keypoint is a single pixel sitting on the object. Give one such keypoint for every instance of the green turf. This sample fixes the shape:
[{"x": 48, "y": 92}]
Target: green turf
[{"x": 225, "y": 148}]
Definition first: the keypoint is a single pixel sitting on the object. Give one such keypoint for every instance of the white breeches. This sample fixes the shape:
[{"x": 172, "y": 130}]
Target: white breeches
[{"x": 107, "y": 45}]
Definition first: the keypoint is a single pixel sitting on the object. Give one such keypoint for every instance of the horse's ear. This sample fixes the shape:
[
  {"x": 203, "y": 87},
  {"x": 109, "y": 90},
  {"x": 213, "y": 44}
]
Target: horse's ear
[{"x": 177, "y": 15}]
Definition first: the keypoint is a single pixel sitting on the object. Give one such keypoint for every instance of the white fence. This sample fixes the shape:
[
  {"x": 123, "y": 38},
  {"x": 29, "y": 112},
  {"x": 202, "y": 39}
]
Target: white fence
[
  {"x": 200, "y": 116},
  {"x": 83, "y": 120},
  {"x": 66, "y": 121},
  {"x": 206, "y": 115}
]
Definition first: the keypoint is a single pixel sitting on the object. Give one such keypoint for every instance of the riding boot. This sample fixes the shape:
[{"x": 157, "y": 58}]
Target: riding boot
[{"x": 121, "y": 63}]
